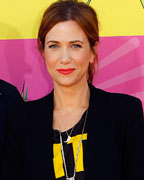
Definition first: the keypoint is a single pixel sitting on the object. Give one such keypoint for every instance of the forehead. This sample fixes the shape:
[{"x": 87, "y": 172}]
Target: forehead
[{"x": 67, "y": 30}]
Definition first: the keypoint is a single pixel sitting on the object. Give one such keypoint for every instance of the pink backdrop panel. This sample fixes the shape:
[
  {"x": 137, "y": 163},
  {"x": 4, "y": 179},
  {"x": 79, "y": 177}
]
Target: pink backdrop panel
[
  {"x": 21, "y": 62},
  {"x": 121, "y": 66}
]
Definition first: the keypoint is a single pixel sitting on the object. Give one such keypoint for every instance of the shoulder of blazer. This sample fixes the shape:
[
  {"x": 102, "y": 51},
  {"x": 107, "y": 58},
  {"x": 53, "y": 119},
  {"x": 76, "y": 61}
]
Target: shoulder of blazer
[
  {"x": 26, "y": 112},
  {"x": 116, "y": 98},
  {"x": 44, "y": 102},
  {"x": 118, "y": 103},
  {"x": 113, "y": 96}
]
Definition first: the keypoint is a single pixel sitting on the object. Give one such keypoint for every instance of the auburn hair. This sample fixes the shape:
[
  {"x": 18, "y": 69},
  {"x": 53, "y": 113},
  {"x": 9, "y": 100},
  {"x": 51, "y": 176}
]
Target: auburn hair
[{"x": 65, "y": 10}]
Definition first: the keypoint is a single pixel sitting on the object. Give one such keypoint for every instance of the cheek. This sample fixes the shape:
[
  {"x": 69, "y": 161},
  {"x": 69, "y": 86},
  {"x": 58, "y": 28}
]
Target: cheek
[
  {"x": 83, "y": 59},
  {"x": 49, "y": 59},
  {"x": 49, "y": 64}
]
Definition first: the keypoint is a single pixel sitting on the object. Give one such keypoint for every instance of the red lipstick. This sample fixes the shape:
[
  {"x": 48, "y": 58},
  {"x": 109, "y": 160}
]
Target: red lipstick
[{"x": 65, "y": 71}]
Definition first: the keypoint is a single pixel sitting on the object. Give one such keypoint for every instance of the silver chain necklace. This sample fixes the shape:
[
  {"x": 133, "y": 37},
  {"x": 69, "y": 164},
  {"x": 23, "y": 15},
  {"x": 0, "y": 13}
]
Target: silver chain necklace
[
  {"x": 69, "y": 136},
  {"x": 73, "y": 177}
]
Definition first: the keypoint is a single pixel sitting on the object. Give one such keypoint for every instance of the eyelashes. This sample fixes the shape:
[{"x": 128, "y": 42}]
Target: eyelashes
[
  {"x": 75, "y": 46},
  {"x": 54, "y": 46}
]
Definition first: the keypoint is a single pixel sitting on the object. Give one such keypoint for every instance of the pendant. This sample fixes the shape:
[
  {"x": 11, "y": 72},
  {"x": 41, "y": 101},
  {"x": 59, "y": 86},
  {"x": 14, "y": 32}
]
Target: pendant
[
  {"x": 71, "y": 178},
  {"x": 68, "y": 139}
]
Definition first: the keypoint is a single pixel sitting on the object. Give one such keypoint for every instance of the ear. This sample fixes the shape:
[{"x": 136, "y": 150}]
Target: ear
[{"x": 94, "y": 51}]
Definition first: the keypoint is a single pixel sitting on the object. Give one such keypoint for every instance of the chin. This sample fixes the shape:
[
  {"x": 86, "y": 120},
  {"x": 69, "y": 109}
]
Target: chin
[{"x": 67, "y": 82}]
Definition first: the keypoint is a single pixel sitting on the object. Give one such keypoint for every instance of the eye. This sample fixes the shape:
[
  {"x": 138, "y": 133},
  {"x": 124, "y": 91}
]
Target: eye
[
  {"x": 76, "y": 46},
  {"x": 53, "y": 46}
]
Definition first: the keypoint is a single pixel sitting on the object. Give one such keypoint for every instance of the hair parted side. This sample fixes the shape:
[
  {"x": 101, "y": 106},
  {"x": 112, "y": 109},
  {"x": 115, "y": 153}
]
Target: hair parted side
[{"x": 65, "y": 10}]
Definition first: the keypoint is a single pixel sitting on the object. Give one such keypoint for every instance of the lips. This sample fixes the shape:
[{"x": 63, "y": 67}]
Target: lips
[{"x": 65, "y": 71}]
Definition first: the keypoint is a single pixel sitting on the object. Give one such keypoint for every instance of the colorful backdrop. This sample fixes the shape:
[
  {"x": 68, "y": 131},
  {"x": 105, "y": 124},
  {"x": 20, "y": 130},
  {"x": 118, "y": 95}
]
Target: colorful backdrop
[{"x": 121, "y": 48}]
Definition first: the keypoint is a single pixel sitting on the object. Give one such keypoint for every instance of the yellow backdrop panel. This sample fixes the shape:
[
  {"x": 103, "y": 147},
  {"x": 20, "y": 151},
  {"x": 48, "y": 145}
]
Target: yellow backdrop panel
[{"x": 20, "y": 19}]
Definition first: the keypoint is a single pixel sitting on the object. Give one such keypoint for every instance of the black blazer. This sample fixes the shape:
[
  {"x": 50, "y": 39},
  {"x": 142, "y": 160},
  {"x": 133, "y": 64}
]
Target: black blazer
[
  {"x": 115, "y": 145},
  {"x": 9, "y": 96}
]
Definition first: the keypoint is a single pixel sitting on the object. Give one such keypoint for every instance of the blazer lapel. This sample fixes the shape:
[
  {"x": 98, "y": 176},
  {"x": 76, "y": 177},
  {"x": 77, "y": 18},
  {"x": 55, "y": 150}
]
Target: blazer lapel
[{"x": 97, "y": 126}]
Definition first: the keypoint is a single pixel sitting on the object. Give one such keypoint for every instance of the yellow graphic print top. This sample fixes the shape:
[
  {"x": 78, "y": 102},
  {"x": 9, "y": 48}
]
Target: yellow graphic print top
[{"x": 70, "y": 151}]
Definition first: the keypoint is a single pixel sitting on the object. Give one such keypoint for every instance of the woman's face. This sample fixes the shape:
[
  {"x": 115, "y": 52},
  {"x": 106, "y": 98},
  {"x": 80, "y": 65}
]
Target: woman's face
[{"x": 67, "y": 53}]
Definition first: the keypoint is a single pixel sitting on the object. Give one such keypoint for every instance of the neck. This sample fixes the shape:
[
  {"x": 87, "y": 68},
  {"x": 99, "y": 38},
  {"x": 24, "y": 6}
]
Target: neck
[{"x": 70, "y": 98}]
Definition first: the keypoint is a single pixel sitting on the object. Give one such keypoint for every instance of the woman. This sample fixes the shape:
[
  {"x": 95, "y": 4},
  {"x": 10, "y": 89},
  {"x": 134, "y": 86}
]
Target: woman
[{"x": 77, "y": 131}]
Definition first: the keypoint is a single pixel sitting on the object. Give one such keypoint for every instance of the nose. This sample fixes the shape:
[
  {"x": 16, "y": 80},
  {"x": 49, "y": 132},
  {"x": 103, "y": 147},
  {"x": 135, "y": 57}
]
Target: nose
[{"x": 65, "y": 56}]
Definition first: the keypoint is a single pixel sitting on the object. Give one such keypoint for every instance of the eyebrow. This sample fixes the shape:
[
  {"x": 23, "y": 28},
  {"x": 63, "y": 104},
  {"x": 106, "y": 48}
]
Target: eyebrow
[
  {"x": 51, "y": 41},
  {"x": 76, "y": 41}
]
